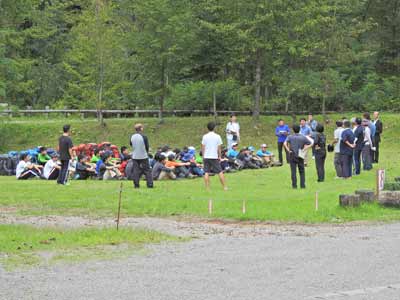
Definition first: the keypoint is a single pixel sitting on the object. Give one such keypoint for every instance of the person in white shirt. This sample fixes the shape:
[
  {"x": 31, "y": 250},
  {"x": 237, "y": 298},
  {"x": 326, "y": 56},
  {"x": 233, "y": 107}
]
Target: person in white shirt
[
  {"x": 337, "y": 136},
  {"x": 232, "y": 132},
  {"x": 211, "y": 149},
  {"x": 52, "y": 169},
  {"x": 26, "y": 170}
]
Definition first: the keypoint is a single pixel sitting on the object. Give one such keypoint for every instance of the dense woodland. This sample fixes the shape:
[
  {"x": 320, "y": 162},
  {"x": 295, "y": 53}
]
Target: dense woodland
[{"x": 256, "y": 55}]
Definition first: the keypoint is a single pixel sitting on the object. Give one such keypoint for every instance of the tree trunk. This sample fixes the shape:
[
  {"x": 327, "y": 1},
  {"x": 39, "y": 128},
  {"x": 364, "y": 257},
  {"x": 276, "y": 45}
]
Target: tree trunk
[
  {"x": 101, "y": 74},
  {"x": 256, "y": 108},
  {"x": 162, "y": 96},
  {"x": 214, "y": 103}
]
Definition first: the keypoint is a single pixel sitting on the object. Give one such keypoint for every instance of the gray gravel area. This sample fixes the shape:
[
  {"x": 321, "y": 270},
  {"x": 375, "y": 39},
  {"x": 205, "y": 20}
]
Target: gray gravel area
[{"x": 226, "y": 261}]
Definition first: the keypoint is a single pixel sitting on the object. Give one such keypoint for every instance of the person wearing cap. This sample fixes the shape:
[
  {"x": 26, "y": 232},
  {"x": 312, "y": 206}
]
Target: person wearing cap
[
  {"x": 65, "y": 146},
  {"x": 232, "y": 131},
  {"x": 359, "y": 142},
  {"x": 233, "y": 152},
  {"x": 368, "y": 146},
  {"x": 265, "y": 154},
  {"x": 140, "y": 157},
  {"x": 26, "y": 170},
  {"x": 52, "y": 169},
  {"x": 246, "y": 160},
  {"x": 282, "y": 131}
]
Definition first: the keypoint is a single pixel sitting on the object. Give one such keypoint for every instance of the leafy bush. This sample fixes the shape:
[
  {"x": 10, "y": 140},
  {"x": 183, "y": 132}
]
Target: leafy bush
[{"x": 392, "y": 186}]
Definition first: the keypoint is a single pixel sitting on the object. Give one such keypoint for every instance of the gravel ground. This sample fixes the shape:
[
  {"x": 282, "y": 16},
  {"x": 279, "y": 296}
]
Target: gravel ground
[{"x": 225, "y": 261}]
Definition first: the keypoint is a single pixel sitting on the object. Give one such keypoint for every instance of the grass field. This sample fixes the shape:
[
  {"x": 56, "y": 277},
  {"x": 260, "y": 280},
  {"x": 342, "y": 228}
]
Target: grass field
[
  {"x": 267, "y": 192},
  {"x": 23, "y": 246}
]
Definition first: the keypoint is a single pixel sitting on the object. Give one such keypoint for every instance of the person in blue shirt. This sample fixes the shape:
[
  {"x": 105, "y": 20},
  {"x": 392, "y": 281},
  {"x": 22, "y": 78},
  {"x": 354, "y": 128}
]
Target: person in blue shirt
[
  {"x": 304, "y": 128},
  {"x": 265, "y": 155},
  {"x": 233, "y": 152},
  {"x": 312, "y": 123},
  {"x": 306, "y": 131},
  {"x": 282, "y": 131}
]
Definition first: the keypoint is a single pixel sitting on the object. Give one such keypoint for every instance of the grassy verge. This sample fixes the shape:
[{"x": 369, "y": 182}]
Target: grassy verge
[{"x": 22, "y": 246}]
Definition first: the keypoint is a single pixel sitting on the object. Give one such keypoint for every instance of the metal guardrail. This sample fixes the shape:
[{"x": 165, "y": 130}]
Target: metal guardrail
[{"x": 143, "y": 112}]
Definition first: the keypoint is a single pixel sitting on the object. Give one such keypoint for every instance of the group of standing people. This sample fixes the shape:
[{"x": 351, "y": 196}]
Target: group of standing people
[{"x": 356, "y": 141}]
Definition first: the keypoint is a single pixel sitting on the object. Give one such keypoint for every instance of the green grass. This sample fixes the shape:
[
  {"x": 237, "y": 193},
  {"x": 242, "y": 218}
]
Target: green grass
[
  {"x": 177, "y": 132},
  {"x": 267, "y": 192},
  {"x": 22, "y": 245}
]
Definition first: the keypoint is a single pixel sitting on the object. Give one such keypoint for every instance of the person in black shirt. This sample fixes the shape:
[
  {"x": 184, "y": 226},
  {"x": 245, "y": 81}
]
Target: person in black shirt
[
  {"x": 377, "y": 138},
  {"x": 83, "y": 170},
  {"x": 320, "y": 151},
  {"x": 66, "y": 154}
]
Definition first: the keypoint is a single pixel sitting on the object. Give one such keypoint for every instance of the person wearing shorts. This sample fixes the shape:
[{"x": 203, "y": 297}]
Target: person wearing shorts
[{"x": 211, "y": 150}]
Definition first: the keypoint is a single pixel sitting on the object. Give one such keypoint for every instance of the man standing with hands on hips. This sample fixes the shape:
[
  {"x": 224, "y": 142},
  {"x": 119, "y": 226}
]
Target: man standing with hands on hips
[
  {"x": 66, "y": 154},
  {"x": 211, "y": 149}
]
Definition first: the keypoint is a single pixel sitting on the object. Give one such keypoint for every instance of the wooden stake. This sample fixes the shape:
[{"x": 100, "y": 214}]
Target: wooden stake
[
  {"x": 244, "y": 207},
  {"x": 210, "y": 206},
  {"x": 316, "y": 201},
  {"x": 377, "y": 184},
  {"x": 119, "y": 205}
]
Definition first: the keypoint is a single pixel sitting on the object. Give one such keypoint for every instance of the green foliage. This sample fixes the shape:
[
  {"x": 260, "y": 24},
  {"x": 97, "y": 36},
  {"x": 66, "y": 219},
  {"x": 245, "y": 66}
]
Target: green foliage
[
  {"x": 278, "y": 54},
  {"x": 392, "y": 186},
  {"x": 199, "y": 95}
]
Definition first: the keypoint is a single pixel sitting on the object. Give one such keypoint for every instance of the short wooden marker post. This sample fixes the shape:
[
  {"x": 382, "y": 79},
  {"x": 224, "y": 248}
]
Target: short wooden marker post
[
  {"x": 316, "y": 201},
  {"x": 244, "y": 207},
  {"x": 210, "y": 206},
  {"x": 119, "y": 205}
]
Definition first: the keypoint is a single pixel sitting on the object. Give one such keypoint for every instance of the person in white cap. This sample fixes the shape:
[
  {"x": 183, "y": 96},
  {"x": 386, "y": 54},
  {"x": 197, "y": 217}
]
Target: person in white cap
[{"x": 265, "y": 155}]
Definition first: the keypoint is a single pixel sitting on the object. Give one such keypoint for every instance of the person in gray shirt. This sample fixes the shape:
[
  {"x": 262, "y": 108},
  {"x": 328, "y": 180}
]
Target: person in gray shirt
[
  {"x": 293, "y": 144},
  {"x": 140, "y": 158}
]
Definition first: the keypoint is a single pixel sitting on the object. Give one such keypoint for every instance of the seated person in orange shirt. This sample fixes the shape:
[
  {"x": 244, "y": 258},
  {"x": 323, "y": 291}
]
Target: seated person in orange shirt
[{"x": 181, "y": 169}]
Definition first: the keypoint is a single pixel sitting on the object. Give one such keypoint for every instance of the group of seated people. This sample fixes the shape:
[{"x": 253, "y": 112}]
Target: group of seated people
[
  {"x": 166, "y": 163},
  {"x": 186, "y": 163}
]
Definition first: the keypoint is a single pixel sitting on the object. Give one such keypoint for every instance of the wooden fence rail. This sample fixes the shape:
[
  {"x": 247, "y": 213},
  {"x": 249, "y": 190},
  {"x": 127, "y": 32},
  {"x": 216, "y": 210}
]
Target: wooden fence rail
[{"x": 141, "y": 112}]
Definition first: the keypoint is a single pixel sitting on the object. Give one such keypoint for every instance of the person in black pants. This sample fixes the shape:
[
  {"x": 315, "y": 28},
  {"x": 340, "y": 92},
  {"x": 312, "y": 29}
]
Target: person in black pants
[
  {"x": 281, "y": 132},
  {"x": 140, "y": 157},
  {"x": 293, "y": 144},
  {"x": 66, "y": 154},
  {"x": 320, "y": 152},
  {"x": 377, "y": 139},
  {"x": 346, "y": 150},
  {"x": 359, "y": 145}
]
